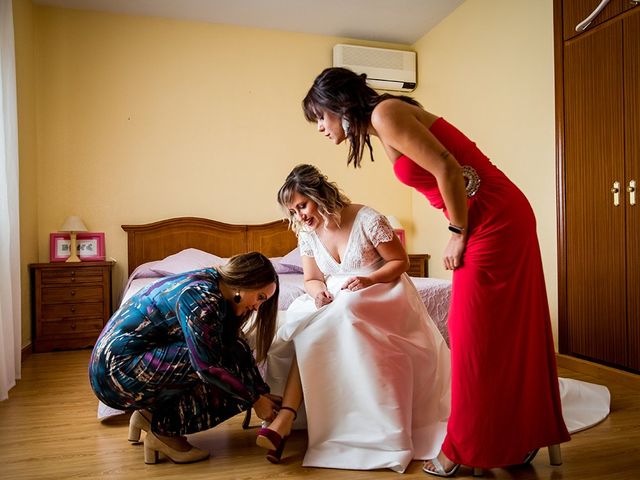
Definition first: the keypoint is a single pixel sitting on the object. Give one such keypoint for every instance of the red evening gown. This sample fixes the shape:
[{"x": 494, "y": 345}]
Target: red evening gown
[{"x": 504, "y": 393}]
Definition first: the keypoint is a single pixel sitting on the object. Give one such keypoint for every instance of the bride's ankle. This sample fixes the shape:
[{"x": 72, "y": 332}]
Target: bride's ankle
[{"x": 283, "y": 423}]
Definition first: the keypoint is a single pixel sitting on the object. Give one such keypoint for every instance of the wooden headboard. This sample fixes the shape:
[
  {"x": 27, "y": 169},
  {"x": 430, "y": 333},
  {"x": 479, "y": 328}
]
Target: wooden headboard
[{"x": 155, "y": 241}]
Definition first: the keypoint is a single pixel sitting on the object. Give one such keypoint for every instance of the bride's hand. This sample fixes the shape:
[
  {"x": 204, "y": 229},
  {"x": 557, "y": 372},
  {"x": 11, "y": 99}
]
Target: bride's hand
[
  {"x": 323, "y": 298},
  {"x": 357, "y": 283}
]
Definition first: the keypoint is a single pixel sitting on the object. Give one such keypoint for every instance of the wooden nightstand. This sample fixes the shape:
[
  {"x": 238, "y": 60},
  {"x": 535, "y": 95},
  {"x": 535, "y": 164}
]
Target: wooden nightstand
[
  {"x": 70, "y": 303},
  {"x": 418, "y": 265}
]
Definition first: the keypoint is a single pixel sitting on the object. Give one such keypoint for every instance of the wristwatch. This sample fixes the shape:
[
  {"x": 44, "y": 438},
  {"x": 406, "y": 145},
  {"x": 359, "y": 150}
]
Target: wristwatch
[{"x": 456, "y": 229}]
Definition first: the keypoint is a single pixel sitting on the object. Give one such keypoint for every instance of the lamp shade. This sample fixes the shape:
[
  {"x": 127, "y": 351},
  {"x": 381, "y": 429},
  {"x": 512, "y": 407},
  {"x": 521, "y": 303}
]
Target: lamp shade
[{"x": 73, "y": 224}]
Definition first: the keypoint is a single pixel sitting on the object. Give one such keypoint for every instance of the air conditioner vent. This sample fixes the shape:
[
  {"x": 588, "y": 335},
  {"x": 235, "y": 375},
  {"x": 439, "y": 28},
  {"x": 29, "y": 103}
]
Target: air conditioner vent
[
  {"x": 375, "y": 57},
  {"x": 386, "y": 69}
]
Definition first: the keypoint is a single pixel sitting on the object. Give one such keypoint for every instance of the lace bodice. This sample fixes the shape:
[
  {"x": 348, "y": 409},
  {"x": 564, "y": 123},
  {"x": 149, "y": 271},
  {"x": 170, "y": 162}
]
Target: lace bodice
[{"x": 369, "y": 229}]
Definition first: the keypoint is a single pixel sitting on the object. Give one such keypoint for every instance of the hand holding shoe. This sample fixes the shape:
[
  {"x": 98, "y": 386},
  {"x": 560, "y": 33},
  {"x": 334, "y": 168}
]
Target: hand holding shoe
[{"x": 267, "y": 407}]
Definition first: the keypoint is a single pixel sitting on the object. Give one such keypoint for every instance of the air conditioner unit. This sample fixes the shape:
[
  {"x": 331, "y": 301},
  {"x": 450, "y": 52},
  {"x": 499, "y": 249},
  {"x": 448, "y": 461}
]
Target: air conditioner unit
[{"x": 386, "y": 69}]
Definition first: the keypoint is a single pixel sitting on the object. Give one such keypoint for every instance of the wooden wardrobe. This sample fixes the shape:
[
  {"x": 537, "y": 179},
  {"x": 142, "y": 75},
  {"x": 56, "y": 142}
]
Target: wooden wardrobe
[{"x": 597, "y": 79}]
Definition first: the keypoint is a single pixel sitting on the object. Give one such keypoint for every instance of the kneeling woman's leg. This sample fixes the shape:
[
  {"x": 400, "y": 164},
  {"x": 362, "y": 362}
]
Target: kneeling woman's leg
[
  {"x": 193, "y": 410},
  {"x": 173, "y": 398}
]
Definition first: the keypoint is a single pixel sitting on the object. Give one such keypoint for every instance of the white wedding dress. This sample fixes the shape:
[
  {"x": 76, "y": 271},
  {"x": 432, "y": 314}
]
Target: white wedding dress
[{"x": 375, "y": 370}]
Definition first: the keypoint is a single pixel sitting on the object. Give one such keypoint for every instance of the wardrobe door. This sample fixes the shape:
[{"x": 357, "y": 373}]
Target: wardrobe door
[
  {"x": 595, "y": 227},
  {"x": 631, "y": 29}
]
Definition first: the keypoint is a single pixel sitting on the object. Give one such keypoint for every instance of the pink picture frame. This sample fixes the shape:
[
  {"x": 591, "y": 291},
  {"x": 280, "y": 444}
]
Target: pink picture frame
[
  {"x": 90, "y": 246},
  {"x": 401, "y": 235}
]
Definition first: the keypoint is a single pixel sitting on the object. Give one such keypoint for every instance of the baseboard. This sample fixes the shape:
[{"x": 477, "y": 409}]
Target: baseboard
[{"x": 601, "y": 372}]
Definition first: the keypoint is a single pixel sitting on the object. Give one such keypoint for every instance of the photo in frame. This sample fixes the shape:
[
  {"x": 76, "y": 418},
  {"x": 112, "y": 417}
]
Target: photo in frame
[{"x": 90, "y": 246}]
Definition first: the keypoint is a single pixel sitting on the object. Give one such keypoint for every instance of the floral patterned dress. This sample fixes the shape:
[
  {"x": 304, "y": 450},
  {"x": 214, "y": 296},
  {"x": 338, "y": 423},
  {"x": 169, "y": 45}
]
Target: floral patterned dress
[{"x": 173, "y": 349}]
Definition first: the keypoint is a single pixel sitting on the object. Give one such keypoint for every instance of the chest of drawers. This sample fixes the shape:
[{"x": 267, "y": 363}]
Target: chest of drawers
[
  {"x": 71, "y": 302},
  {"x": 418, "y": 265}
]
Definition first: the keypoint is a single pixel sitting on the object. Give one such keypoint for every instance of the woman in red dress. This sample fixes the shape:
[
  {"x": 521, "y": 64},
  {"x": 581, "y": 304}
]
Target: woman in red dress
[{"x": 505, "y": 399}]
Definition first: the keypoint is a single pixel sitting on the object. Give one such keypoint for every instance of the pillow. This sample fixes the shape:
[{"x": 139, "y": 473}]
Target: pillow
[
  {"x": 291, "y": 262},
  {"x": 185, "y": 261},
  {"x": 145, "y": 270},
  {"x": 275, "y": 261}
]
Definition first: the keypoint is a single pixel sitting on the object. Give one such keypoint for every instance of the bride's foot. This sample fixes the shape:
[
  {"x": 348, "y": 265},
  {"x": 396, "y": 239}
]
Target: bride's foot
[
  {"x": 440, "y": 466},
  {"x": 275, "y": 436},
  {"x": 283, "y": 422}
]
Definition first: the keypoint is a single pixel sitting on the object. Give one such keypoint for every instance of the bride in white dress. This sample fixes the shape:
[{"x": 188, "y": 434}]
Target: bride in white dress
[{"x": 371, "y": 365}]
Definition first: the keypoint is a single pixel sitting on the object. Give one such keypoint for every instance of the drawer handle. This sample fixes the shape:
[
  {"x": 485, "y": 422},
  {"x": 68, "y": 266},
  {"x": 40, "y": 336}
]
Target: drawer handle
[
  {"x": 73, "y": 309},
  {"x": 73, "y": 326},
  {"x": 73, "y": 279},
  {"x": 73, "y": 292}
]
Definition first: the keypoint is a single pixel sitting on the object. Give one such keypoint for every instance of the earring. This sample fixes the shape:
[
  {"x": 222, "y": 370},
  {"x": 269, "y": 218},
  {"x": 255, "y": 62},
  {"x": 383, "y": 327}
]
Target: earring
[
  {"x": 237, "y": 297},
  {"x": 345, "y": 125}
]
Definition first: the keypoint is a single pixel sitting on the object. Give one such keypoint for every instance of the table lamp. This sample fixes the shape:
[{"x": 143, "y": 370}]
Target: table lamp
[
  {"x": 397, "y": 227},
  {"x": 72, "y": 225}
]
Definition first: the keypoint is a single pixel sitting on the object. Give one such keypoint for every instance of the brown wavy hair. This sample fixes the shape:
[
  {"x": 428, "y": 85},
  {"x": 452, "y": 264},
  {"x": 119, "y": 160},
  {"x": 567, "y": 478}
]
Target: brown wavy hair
[
  {"x": 310, "y": 182},
  {"x": 253, "y": 271},
  {"x": 346, "y": 94}
]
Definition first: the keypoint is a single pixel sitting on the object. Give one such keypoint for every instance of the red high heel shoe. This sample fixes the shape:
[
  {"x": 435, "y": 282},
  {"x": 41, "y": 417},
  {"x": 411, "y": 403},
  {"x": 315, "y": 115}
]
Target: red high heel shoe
[
  {"x": 274, "y": 456},
  {"x": 273, "y": 441}
]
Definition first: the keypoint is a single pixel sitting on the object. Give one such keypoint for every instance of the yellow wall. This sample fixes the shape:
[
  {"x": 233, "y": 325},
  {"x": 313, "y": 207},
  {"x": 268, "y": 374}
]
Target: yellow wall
[
  {"x": 128, "y": 119},
  {"x": 488, "y": 68},
  {"x": 139, "y": 119},
  {"x": 23, "y": 18}
]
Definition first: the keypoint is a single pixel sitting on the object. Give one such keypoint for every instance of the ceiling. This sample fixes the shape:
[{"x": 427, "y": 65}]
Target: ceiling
[{"x": 396, "y": 21}]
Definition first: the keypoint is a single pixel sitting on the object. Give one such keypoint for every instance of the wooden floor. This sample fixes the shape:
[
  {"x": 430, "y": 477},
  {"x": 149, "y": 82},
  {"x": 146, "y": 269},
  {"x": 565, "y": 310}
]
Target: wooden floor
[{"x": 48, "y": 430}]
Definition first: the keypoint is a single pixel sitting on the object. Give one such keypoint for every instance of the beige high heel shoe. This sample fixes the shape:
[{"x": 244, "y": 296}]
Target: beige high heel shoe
[
  {"x": 153, "y": 446},
  {"x": 555, "y": 455},
  {"x": 137, "y": 423}
]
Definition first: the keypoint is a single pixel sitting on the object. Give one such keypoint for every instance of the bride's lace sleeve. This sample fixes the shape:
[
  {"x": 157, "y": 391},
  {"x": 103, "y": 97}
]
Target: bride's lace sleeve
[
  {"x": 379, "y": 230},
  {"x": 304, "y": 245}
]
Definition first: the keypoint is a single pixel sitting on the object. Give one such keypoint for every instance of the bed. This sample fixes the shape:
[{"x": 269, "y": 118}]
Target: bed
[
  {"x": 186, "y": 243},
  {"x": 182, "y": 244}
]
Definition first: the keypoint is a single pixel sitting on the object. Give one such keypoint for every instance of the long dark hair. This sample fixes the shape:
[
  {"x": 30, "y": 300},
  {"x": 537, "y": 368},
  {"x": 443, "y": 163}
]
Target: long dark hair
[
  {"x": 346, "y": 94},
  {"x": 310, "y": 182},
  {"x": 253, "y": 271}
]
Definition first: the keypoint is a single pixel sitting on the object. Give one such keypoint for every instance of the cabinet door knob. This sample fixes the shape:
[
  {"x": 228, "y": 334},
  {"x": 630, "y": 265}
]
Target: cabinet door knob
[{"x": 615, "y": 189}]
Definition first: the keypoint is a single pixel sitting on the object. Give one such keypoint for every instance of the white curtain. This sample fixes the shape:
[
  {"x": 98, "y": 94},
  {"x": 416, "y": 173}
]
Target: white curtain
[{"x": 10, "y": 336}]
